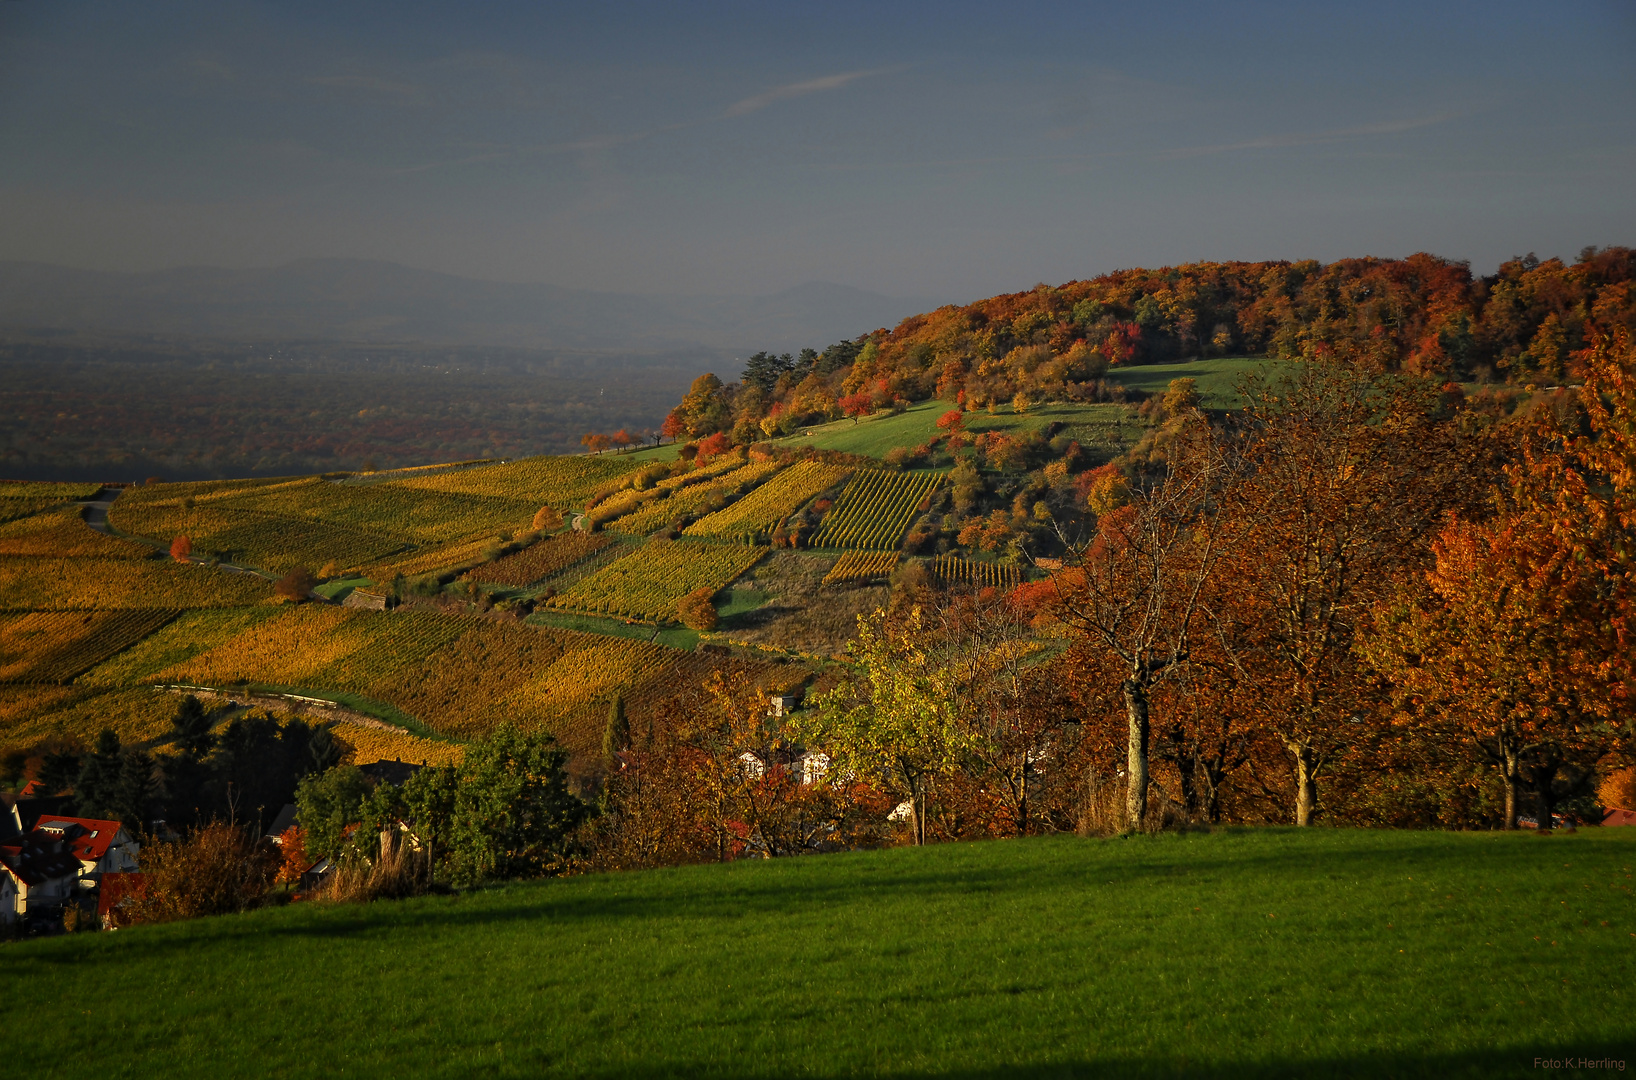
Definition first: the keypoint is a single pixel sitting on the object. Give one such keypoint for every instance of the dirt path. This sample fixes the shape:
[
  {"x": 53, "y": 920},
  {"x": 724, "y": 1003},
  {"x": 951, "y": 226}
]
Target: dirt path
[{"x": 96, "y": 516}]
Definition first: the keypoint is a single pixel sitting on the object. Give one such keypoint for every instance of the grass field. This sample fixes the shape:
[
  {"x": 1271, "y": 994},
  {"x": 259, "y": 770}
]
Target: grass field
[
  {"x": 1240, "y": 953},
  {"x": 1093, "y": 425},
  {"x": 1217, "y": 377}
]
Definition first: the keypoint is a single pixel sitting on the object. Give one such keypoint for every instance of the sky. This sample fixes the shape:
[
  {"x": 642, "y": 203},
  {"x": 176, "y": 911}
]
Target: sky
[{"x": 947, "y": 150}]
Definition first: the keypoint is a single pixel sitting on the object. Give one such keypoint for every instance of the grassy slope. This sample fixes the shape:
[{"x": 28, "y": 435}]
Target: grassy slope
[
  {"x": 1093, "y": 424},
  {"x": 1245, "y": 952}
]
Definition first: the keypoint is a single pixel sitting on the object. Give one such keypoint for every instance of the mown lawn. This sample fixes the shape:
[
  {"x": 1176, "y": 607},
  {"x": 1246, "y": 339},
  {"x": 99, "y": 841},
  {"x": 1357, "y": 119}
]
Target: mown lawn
[{"x": 1238, "y": 953}]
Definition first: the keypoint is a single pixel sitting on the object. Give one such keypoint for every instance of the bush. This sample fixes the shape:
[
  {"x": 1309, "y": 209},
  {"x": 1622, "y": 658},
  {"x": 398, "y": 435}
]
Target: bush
[
  {"x": 181, "y": 548},
  {"x": 296, "y": 585},
  {"x": 695, "y": 609},
  {"x": 218, "y": 870}
]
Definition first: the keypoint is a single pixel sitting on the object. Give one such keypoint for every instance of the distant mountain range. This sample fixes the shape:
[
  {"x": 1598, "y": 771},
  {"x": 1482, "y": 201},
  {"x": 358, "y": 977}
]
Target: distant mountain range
[{"x": 368, "y": 301}]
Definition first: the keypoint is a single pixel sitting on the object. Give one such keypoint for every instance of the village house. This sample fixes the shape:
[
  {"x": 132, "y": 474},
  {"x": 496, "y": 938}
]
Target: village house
[{"x": 49, "y": 859}]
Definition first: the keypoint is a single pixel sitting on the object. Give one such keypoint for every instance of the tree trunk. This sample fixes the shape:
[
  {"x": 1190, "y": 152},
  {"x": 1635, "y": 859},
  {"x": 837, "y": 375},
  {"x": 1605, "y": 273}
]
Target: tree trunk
[
  {"x": 1306, "y": 784},
  {"x": 1545, "y": 793},
  {"x": 1136, "y": 756},
  {"x": 1022, "y": 801},
  {"x": 1513, "y": 781},
  {"x": 917, "y": 811}
]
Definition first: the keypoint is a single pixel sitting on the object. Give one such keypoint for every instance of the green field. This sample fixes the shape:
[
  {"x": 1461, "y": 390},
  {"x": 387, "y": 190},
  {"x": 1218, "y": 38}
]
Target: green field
[
  {"x": 1244, "y": 952},
  {"x": 1217, "y": 378}
]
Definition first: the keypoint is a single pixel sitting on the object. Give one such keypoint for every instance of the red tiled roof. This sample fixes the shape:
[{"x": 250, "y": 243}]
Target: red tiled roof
[
  {"x": 89, "y": 842},
  {"x": 1619, "y": 816},
  {"x": 34, "y": 863}
]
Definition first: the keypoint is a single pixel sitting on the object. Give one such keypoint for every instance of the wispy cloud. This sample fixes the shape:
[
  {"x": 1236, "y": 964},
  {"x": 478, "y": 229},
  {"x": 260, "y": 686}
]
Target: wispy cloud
[
  {"x": 368, "y": 83},
  {"x": 1310, "y": 138},
  {"x": 799, "y": 89}
]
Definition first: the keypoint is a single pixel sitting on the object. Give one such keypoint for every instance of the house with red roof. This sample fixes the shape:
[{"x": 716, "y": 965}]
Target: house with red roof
[{"x": 56, "y": 858}]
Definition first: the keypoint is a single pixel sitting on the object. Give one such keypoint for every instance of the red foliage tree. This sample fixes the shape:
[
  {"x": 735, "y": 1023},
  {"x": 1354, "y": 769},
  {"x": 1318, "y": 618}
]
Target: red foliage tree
[{"x": 181, "y": 548}]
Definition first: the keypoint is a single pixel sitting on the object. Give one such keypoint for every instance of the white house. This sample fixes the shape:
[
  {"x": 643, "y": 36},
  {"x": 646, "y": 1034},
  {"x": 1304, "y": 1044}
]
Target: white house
[{"x": 56, "y": 859}]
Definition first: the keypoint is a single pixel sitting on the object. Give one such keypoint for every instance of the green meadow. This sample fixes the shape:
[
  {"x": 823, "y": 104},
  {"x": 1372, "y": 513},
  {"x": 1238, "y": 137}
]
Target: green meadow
[{"x": 1241, "y": 952}]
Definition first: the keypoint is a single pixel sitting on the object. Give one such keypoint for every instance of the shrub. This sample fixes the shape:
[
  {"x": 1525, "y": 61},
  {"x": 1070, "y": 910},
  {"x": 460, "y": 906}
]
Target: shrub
[
  {"x": 181, "y": 548},
  {"x": 695, "y": 609},
  {"x": 295, "y": 585},
  {"x": 218, "y": 870}
]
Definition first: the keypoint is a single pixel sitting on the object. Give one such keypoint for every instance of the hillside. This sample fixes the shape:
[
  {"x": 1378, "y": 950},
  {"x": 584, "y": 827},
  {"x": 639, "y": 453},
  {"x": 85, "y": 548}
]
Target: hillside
[{"x": 1238, "y": 953}]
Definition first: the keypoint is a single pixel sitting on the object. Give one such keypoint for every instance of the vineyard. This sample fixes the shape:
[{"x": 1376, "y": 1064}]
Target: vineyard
[
  {"x": 540, "y": 560},
  {"x": 564, "y": 483},
  {"x": 85, "y": 584},
  {"x": 875, "y": 509},
  {"x": 12, "y": 509},
  {"x": 309, "y": 522},
  {"x": 30, "y": 715},
  {"x": 64, "y": 533},
  {"x": 367, "y": 744},
  {"x": 427, "y": 560},
  {"x": 855, "y": 567},
  {"x": 953, "y": 570},
  {"x": 640, "y": 513},
  {"x": 753, "y": 518},
  {"x": 644, "y": 677},
  {"x": 180, "y": 640},
  {"x": 57, "y": 646},
  {"x": 55, "y": 493},
  {"x": 646, "y": 584}
]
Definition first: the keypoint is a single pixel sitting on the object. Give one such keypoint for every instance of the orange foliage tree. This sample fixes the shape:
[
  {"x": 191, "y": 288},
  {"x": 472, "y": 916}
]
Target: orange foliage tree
[
  {"x": 1519, "y": 645},
  {"x": 181, "y": 548},
  {"x": 1136, "y": 593},
  {"x": 1345, "y": 480}
]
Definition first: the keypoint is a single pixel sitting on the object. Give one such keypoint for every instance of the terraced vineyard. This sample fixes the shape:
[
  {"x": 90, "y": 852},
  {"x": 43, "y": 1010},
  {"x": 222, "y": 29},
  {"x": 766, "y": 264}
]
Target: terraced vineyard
[
  {"x": 118, "y": 584},
  {"x": 564, "y": 483},
  {"x": 665, "y": 505},
  {"x": 859, "y": 566},
  {"x": 63, "y": 533},
  {"x": 875, "y": 509},
  {"x": 185, "y": 637},
  {"x": 540, "y": 560},
  {"x": 32, "y": 714},
  {"x": 367, "y": 744},
  {"x": 646, "y": 584},
  {"x": 953, "y": 570},
  {"x": 752, "y": 519},
  {"x": 57, "y": 646},
  {"x": 311, "y": 521}
]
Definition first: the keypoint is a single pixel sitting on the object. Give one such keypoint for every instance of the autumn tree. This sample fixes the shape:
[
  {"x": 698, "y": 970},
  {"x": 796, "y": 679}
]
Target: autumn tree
[
  {"x": 1135, "y": 592},
  {"x": 296, "y": 585},
  {"x": 217, "y": 870},
  {"x": 181, "y": 549},
  {"x": 1345, "y": 480},
  {"x": 1519, "y": 645},
  {"x": 1018, "y": 730},
  {"x": 891, "y": 723},
  {"x": 696, "y": 611}
]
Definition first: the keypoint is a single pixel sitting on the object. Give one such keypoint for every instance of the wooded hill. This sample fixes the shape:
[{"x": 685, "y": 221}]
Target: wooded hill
[{"x": 1423, "y": 315}]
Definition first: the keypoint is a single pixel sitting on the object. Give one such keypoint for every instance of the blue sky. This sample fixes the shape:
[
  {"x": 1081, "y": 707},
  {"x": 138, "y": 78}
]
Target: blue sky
[{"x": 947, "y": 151}]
